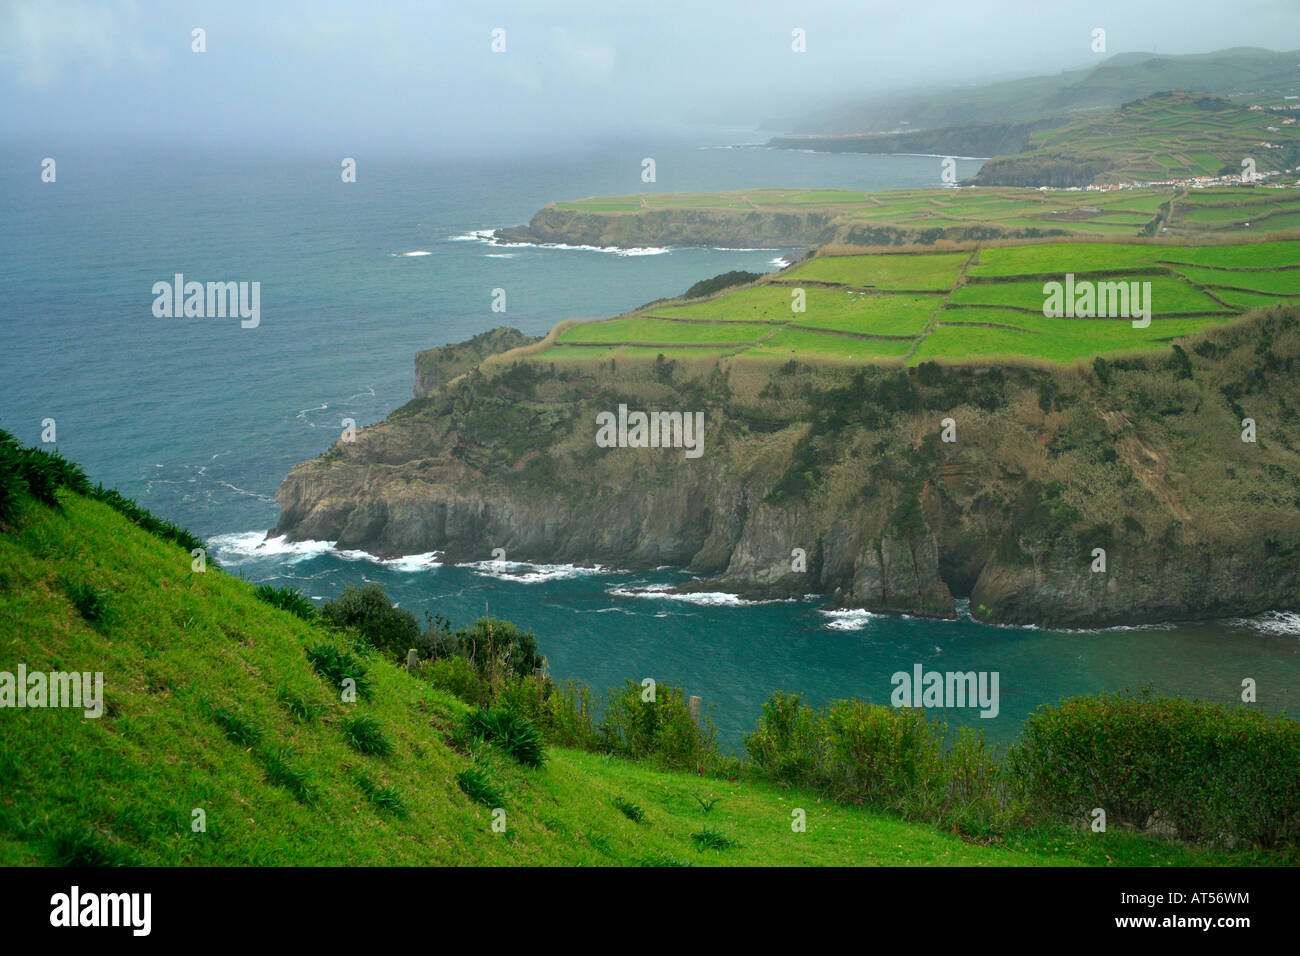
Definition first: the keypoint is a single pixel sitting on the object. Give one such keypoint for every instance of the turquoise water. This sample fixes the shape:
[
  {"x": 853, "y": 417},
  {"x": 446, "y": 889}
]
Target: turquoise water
[{"x": 200, "y": 419}]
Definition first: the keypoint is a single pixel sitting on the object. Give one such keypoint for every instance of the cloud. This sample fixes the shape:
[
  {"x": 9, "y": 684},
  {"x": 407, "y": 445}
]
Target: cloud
[{"x": 41, "y": 42}]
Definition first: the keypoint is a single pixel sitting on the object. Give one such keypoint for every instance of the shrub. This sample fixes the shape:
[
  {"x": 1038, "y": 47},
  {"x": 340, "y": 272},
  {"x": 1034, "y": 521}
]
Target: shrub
[
  {"x": 1211, "y": 772},
  {"x": 500, "y": 648},
  {"x": 562, "y": 710},
  {"x": 479, "y": 786},
  {"x": 517, "y": 736},
  {"x": 389, "y": 629},
  {"x": 336, "y": 666},
  {"x": 719, "y": 282},
  {"x": 661, "y": 730},
  {"x": 786, "y": 744},
  {"x": 365, "y": 734},
  {"x": 287, "y": 598},
  {"x": 893, "y": 758}
]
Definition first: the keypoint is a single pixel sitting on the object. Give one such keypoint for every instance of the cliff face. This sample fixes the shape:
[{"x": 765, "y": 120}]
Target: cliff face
[
  {"x": 738, "y": 229},
  {"x": 1142, "y": 459},
  {"x": 674, "y": 227}
]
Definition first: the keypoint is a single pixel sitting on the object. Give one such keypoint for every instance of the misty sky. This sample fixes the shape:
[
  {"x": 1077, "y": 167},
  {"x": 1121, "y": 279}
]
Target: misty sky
[{"x": 315, "y": 74}]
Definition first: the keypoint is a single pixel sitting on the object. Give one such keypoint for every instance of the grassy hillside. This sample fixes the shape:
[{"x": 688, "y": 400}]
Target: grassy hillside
[
  {"x": 1241, "y": 72},
  {"x": 980, "y": 302},
  {"x": 1170, "y": 136},
  {"x": 211, "y": 703}
]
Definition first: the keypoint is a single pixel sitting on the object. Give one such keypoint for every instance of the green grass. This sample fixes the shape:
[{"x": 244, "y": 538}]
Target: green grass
[
  {"x": 651, "y": 332},
  {"x": 845, "y": 323},
  {"x": 1281, "y": 282},
  {"x": 188, "y": 647},
  {"x": 1168, "y": 295},
  {"x": 898, "y": 271}
]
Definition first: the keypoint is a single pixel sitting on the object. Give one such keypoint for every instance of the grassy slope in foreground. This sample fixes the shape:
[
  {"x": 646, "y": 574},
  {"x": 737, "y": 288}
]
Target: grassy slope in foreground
[
  {"x": 122, "y": 788},
  {"x": 980, "y": 303}
]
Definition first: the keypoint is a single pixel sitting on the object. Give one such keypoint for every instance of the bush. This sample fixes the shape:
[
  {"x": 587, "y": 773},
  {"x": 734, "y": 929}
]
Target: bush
[
  {"x": 500, "y": 648},
  {"x": 786, "y": 745},
  {"x": 1211, "y": 772},
  {"x": 286, "y": 598},
  {"x": 892, "y": 758},
  {"x": 563, "y": 710},
  {"x": 389, "y": 629},
  {"x": 365, "y": 735},
  {"x": 517, "y": 736},
  {"x": 336, "y": 666},
  {"x": 661, "y": 731},
  {"x": 719, "y": 282}
]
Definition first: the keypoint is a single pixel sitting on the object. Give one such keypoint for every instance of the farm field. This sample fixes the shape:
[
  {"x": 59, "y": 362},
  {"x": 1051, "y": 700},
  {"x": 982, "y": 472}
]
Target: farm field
[{"x": 979, "y": 303}]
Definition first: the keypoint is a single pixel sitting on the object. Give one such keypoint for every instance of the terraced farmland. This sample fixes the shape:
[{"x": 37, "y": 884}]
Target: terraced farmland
[{"x": 979, "y": 303}]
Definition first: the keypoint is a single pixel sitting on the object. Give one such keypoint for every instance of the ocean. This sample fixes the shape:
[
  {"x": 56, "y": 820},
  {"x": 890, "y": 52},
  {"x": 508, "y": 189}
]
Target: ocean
[{"x": 200, "y": 419}]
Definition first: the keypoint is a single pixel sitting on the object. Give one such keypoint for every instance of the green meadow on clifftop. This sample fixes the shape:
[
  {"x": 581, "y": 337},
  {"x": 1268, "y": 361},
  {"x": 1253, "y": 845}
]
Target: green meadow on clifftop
[{"x": 980, "y": 303}]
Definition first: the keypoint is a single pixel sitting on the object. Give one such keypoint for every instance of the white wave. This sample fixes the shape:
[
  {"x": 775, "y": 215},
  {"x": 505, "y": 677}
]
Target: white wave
[
  {"x": 525, "y": 572},
  {"x": 407, "y": 255},
  {"x": 745, "y": 248},
  {"x": 489, "y": 236},
  {"x": 500, "y": 255},
  {"x": 1282, "y": 623},
  {"x": 847, "y": 619},
  {"x": 780, "y": 262},
  {"x": 414, "y": 562},
  {"x": 704, "y": 598},
  {"x": 241, "y": 546}
]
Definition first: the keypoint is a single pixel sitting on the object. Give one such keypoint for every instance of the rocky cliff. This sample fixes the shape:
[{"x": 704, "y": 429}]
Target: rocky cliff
[{"x": 839, "y": 481}]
